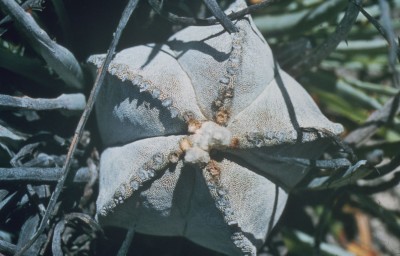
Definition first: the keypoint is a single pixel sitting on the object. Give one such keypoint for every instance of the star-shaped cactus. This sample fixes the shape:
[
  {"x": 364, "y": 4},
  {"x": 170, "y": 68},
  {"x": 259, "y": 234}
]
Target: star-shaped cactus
[{"x": 195, "y": 128}]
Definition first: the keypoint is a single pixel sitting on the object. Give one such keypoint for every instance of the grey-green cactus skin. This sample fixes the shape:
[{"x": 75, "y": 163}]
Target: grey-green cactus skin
[{"x": 151, "y": 96}]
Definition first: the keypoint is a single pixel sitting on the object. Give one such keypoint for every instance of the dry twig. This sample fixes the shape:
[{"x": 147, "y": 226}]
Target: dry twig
[
  {"x": 40, "y": 175},
  {"x": 65, "y": 102},
  {"x": 56, "y": 56},
  {"x": 188, "y": 21}
]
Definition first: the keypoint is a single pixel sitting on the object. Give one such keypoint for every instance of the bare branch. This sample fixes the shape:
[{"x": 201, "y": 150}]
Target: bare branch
[
  {"x": 40, "y": 175},
  {"x": 29, "y": 4},
  {"x": 209, "y": 21},
  {"x": 57, "y": 57},
  {"x": 65, "y": 102},
  {"x": 123, "y": 250},
  {"x": 215, "y": 9}
]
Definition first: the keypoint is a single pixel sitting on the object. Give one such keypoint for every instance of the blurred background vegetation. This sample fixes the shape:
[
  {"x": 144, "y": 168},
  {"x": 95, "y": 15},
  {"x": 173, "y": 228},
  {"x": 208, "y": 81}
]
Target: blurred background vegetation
[
  {"x": 356, "y": 80},
  {"x": 355, "y": 83}
]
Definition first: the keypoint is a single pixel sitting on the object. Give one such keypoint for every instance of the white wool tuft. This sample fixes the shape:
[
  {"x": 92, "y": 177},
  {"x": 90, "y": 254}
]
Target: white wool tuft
[
  {"x": 196, "y": 155},
  {"x": 210, "y": 135}
]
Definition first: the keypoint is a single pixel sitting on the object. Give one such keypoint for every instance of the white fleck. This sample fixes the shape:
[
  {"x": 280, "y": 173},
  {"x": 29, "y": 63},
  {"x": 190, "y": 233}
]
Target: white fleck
[
  {"x": 151, "y": 173},
  {"x": 232, "y": 223},
  {"x": 222, "y": 201},
  {"x": 144, "y": 86},
  {"x": 135, "y": 184},
  {"x": 137, "y": 80},
  {"x": 113, "y": 70},
  {"x": 224, "y": 80},
  {"x": 174, "y": 112},
  {"x": 231, "y": 70},
  {"x": 155, "y": 93},
  {"x": 123, "y": 77},
  {"x": 167, "y": 102},
  {"x": 221, "y": 192},
  {"x": 143, "y": 174}
]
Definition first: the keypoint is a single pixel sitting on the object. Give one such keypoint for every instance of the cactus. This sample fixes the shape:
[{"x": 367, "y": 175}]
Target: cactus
[{"x": 192, "y": 127}]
